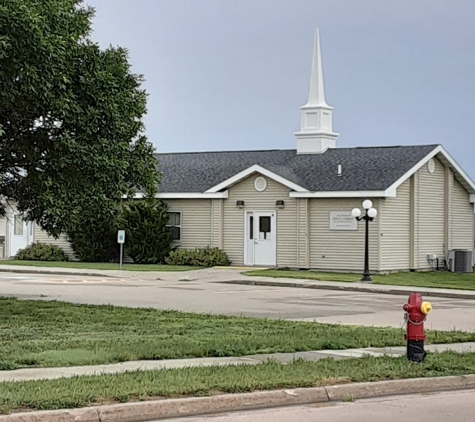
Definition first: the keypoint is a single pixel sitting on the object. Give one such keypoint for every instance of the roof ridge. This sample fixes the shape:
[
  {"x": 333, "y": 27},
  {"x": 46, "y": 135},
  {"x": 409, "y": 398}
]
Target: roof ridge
[
  {"x": 390, "y": 146},
  {"x": 222, "y": 152},
  {"x": 290, "y": 149}
]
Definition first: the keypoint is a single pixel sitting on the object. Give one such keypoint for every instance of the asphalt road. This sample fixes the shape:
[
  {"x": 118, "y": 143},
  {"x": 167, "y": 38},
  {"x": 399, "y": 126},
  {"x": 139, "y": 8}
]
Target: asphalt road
[
  {"x": 442, "y": 407},
  {"x": 257, "y": 301}
]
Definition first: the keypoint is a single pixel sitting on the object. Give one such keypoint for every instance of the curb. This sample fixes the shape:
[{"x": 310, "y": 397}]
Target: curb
[
  {"x": 35, "y": 271},
  {"x": 195, "y": 406},
  {"x": 399, "y": 292}
]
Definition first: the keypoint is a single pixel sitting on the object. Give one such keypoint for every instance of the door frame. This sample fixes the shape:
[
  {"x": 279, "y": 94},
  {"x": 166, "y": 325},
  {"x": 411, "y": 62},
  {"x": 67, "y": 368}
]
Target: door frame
[
  {"x": 28, "y": 226},
  {"x": 246, "y": 232}
]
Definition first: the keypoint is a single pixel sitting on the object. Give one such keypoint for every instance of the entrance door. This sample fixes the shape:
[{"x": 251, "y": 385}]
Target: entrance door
[
  {"x": 19, "y": 233},
  {"x": 260, "y": 235}
]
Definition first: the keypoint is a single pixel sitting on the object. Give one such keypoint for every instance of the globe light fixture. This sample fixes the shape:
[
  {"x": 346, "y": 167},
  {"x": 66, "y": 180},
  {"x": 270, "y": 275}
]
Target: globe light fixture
[
  {"x": 370, "y": 215},
  {"x": 367, "y": 204},
  {"x": 372, "y": 212}
]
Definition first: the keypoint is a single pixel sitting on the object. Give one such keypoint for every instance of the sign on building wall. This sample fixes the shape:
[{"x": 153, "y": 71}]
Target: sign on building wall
[{"x": 342, "y": 220}]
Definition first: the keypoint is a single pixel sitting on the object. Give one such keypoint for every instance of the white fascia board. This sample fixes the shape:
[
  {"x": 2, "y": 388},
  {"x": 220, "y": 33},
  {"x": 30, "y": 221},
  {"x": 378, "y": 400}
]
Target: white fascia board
[
  {"x": 343, "y": 194},
  {"x": 256, "y": 169},
  {"x": 472, "y": 198},
  {"x": 439, "y": 150},
  {"x": 186, "y": 195},
  {"x": 409, "y": 173},
  {"x": 458, "y": 170}
]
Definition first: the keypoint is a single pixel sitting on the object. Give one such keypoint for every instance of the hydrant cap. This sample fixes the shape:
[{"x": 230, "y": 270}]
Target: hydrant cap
[{"x": 426, "y": 307}]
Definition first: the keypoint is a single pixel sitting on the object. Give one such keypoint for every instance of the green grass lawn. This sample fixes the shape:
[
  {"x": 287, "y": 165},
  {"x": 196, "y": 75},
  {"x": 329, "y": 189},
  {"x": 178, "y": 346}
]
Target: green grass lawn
[
  {"x": 201, "y": 381},
  {"x": 98, "y": 265},
  {"x": 445, "y": 280},
  {"x": 44, "y": 333}
]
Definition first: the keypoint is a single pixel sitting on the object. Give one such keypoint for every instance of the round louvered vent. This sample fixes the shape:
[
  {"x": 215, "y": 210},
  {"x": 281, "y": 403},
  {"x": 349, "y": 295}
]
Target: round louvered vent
[
  {"x": 260, "y": 184},
  {"x": 431, "y": 166}
]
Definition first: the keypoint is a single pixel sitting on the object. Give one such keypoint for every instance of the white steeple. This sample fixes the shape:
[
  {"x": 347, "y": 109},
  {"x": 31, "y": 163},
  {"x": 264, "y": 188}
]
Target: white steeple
[{"x": 316, "y": 133}]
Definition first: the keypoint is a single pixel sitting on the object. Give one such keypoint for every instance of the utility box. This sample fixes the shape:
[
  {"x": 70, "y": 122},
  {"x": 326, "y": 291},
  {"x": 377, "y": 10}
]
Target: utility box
[{"x": 460, "y": 261}]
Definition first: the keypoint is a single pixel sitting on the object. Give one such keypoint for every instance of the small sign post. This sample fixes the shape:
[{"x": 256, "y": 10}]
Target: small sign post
[{"x": 121, "y": 241}]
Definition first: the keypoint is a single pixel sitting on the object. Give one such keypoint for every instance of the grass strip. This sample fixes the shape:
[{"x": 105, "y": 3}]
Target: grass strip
[
  {"x": 202, "y": 381},
  {"x": 48, "y": 333},
  {"x": 441, "y": 280},
  {"x": 99, "y": 265}
]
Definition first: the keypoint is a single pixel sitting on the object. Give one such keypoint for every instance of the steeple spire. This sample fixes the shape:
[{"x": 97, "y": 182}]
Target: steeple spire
[
  {"x": 316, "y": 95},
  {"x": 316, "y": 128}
]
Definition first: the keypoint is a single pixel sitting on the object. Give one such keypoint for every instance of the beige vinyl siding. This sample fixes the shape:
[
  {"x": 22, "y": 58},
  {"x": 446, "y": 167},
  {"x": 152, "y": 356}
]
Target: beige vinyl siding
[
  {"x": 7, "y": 238},
  {"x": 395, "y": 222},
  {"x": 3, "y": 226},
  {"x": 195, "y": 222},
  {"x": 217, "y": 223},
  {"x": 11, "y": 207},
  {"x": 462, "y": 218},
  {"x": 415, "y": 222},
  {"x": 41, "y": 236},
  {"x": 431, "y": 213},
  {"x": 303, "y": 232},
  {"x": 341, "y": 250},
  {"x": 449, "y": 216},
  {"x": 260, "y": 201}
]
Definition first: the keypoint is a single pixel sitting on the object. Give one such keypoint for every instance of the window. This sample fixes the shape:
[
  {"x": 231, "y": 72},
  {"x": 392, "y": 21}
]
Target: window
[
  {"x": 18, "y": 225},
  {"x": 264, "y": 227},
  {"x": 175, "y": 224}
]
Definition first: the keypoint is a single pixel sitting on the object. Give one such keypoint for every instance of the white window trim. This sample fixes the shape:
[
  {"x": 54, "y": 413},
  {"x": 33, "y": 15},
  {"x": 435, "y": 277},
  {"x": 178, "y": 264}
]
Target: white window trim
[{"x": 180, "y": 225}]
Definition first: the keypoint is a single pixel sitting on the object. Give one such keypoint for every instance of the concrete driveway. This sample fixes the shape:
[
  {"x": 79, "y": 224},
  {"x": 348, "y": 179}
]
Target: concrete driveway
[{"x": 208, "y": 295}]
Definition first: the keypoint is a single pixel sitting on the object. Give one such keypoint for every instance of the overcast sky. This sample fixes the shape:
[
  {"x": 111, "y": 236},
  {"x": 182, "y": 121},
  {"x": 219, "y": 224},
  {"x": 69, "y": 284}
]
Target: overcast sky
[{"x": 232, "y": 74}]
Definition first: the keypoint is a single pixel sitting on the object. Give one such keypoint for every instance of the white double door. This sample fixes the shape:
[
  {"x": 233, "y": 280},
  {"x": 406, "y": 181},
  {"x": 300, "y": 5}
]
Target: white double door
[
  {"x": 20, "y": 233},
  {"x": 260, "y": 238}
]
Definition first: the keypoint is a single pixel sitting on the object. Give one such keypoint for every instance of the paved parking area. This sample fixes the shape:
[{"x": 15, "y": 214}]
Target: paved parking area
[{"x": 356, "y": 308}]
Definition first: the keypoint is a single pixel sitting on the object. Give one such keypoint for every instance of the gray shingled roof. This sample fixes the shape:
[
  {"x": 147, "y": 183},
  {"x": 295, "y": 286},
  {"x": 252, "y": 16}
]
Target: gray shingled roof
[{"x": 366, "y": 168}]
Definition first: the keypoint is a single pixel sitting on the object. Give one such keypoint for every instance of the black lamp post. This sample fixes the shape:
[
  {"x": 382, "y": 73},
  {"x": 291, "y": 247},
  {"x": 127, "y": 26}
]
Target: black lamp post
[{"x": 370, "y": 215}]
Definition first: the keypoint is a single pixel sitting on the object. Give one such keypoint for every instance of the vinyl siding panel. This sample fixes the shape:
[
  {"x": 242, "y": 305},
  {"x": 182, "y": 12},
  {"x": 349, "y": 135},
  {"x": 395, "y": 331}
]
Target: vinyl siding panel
[
  {"x": 196, "y": 224},
  {"x": 341, "y": 250},
  {"x": 3, "y": 226},
  {"x": 431, "y": 213},
  {"x": 303, "y": 233},
  {"x": 7, "y": 239},
  {"x": 216, "y": 225},
  {"x": 463, "y": 219},
  {"x": 449, "y": 215},
  {"x": 41, "y": 236},
  {"x": 260, "y": 201},
  {"x": 395, "y": 222},
  {"x": 416, "y": 221}
]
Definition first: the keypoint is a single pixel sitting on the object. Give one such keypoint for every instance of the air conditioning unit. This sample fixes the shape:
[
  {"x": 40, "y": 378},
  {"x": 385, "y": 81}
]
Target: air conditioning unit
[{"x": 460, "y": 261}]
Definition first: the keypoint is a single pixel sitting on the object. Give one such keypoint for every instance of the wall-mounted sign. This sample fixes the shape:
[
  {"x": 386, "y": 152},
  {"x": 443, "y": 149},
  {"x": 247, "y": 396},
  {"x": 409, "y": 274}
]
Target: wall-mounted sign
[{"x": 342, "y": 220}]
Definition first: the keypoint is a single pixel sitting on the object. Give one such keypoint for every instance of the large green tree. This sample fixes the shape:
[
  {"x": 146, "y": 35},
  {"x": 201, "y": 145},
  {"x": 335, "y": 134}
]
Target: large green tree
[{"x": 71, "y": 133}]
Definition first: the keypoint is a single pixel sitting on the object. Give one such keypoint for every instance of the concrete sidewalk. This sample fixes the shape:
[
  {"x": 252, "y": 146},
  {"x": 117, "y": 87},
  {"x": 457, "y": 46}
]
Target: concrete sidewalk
[
  {"x": 353, "y": 286},
  {"x": 29, "y": 374},
  {"x": 233, "y": 275}
]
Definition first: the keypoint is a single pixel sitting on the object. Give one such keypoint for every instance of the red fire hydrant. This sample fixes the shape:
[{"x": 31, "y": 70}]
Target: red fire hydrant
[{"x": 415, "y": 316}]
